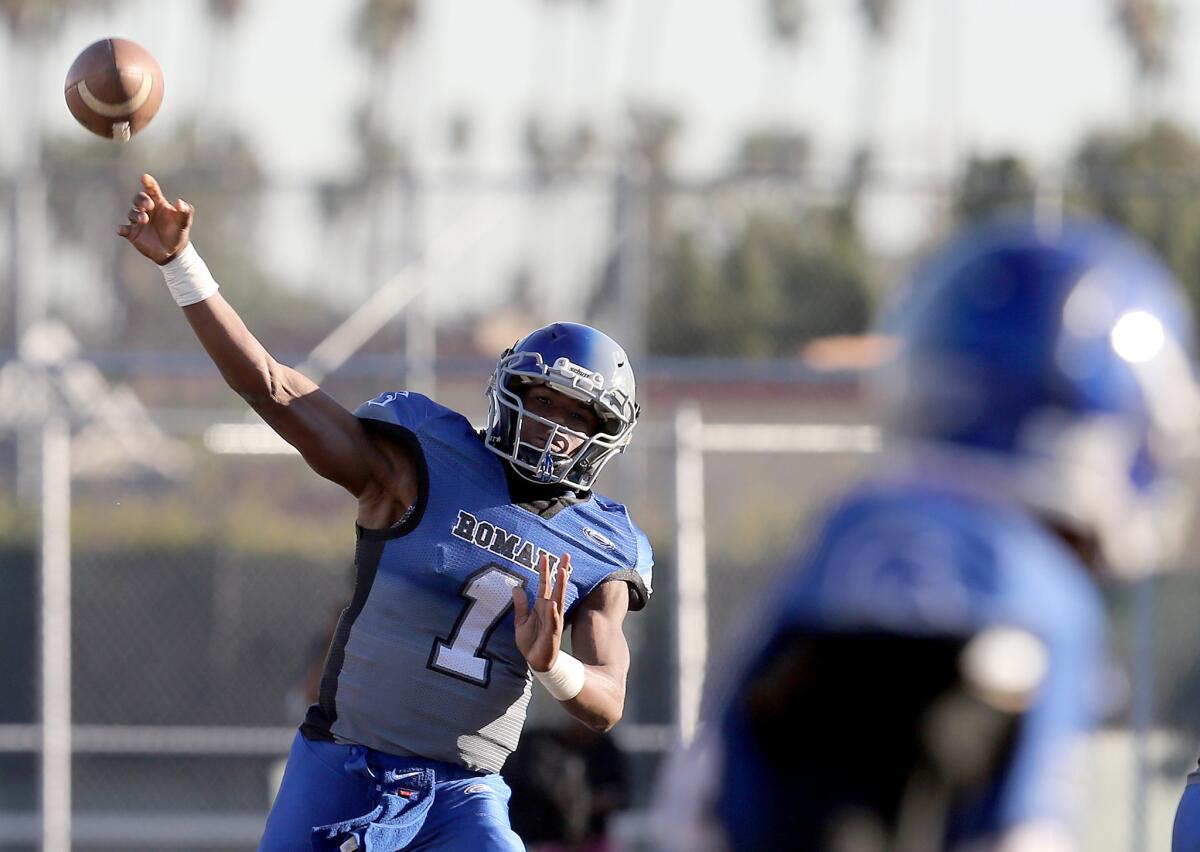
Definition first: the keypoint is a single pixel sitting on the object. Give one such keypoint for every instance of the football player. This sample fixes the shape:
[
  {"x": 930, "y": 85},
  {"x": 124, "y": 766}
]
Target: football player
[
  {"x": 472, "y": 551},
  {"x": 1185, "y": 836},
  {"x": 923, "y": 672}
]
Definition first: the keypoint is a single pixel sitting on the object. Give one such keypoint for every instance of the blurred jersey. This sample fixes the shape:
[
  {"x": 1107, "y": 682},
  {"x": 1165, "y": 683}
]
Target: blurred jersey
[
  {"x": 1185, "y": 835},
  {"x": 862, "y": 634},
  {"x": 424, "y": 660}
]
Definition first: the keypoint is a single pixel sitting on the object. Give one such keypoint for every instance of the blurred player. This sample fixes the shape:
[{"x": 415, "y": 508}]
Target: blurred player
[
  {"x": 472, "y": 551},
  {"x": 1185, "y": 836},
  {"x": 922, "y": 674}
]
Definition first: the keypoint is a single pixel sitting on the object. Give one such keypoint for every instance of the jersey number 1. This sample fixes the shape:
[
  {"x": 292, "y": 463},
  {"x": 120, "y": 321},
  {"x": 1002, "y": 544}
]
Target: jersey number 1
[{"x": 489, "y": 596}]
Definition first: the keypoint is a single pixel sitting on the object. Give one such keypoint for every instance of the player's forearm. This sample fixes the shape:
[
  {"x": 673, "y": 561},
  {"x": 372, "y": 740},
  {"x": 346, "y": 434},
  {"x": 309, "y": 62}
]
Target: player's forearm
[
  {"x": 598, "y": 640},
  {"x": 601, "y": 702},
  {"x": 244, "y": 363}
]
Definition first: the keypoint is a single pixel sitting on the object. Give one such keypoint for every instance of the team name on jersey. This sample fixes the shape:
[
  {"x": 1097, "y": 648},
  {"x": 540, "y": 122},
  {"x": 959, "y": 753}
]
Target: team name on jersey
[{"x": 497, "y": 540}]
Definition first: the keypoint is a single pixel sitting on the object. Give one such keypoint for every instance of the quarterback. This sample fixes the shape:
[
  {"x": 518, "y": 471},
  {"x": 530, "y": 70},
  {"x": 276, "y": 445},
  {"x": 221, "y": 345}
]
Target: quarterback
[{"x": 473, "y": 550}]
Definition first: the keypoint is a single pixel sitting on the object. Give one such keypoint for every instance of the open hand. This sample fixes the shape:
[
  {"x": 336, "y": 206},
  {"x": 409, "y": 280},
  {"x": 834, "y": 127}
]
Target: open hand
[
  {"x": 157, "y": 228},
  {"x": 539, "y": 630}
]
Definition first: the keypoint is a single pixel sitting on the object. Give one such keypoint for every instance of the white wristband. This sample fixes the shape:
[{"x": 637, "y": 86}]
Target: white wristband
[
  {"x": 188, "y": 278},
  {"x": 565, "y": 678}
]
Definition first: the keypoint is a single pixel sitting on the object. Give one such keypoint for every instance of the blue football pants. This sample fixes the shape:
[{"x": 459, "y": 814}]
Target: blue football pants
[{"x": 387, "y": 802}]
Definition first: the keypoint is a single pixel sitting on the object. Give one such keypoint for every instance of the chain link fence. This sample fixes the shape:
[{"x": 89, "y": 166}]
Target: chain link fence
[{"x": 204, "y": 590}]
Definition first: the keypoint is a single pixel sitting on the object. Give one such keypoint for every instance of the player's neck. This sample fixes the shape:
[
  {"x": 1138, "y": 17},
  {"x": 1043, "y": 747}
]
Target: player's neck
[{"x": 526, "y": 493}]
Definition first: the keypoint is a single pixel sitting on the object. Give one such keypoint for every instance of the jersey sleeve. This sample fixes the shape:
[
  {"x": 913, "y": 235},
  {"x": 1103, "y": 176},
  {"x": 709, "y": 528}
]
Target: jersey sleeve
[
  {"x": 405, "y": 409},
  {"x": 638, "y": 577},
  {"x": 403, "y": 416}
]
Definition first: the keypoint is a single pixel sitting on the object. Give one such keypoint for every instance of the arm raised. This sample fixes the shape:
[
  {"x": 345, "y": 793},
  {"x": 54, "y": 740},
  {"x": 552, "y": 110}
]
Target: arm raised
[
  {"x": 333, "y": 442},
  {"x": 330, "y": 438}
]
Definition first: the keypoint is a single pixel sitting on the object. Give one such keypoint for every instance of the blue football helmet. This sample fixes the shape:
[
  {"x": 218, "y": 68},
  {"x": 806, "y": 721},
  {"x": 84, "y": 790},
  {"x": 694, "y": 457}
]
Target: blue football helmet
[
  {"x": 582, "y": 363},
  {"x": 1054, "y": 366}
]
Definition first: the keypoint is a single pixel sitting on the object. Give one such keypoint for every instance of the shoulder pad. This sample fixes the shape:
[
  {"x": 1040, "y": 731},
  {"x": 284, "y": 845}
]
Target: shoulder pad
[
  {"x": 400, "y": 408},
  {"x": 640, "y": 575}
]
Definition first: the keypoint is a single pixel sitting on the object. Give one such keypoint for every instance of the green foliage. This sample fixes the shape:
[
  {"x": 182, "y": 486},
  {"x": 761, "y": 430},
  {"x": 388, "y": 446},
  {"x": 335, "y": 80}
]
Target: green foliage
[
  {"x": 18, "y": 522},
  {"x": 763, "y": 281},
  {"x": 1143, "y": 180},
  {"x": 773, "y": 151},
  {"x": 654, "y": 132},
  {"x": 992, "y": 185},
  {"x": 1146, "y": 181},
  {"x": 270, "y": 506},
  {"x": 776, "y": 283},
  {"x": 89, "y": 187}
]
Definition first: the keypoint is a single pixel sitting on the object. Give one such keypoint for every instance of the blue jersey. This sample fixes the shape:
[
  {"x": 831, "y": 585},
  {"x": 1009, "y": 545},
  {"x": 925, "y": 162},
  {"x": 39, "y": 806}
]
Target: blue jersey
[
  {"x": 912, "y": 560},
  {"x": 424, "y": 660}
]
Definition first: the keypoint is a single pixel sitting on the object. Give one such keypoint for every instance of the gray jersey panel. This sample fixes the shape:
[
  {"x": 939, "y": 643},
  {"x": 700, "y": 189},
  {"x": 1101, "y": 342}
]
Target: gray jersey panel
[{"x": 392, "y": 696}]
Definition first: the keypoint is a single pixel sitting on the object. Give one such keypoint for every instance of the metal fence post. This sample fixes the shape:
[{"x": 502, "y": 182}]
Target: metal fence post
[
  {"x": 56, "y": 635},
  {"x": 1144, "y": 658},
  {"x": 691, "y": 582}
]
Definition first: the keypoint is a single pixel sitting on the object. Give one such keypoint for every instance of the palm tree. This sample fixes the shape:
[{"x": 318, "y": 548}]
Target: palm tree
[
  {"x": 29, "y": 24},
  {"x": 384, "y": 28},
  {"x": 223, "y": 16},
  {"x": 876, "y": 17},
  {"x": 649, "y": 172},
  {"x": 1146, "y": 24},
  {"x": 555, "y": 139},
  {"x": 786, "y": 18},
  {"x": 555, "y": 155},
  {"x": 785, "y": 22}
]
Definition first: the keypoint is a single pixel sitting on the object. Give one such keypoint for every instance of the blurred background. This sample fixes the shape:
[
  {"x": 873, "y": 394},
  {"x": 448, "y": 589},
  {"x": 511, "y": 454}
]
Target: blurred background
[{"x": 391, "y": 192}]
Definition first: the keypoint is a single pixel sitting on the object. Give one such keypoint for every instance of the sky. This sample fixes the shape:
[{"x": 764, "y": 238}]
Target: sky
[
  {"x": 979, "y": 74},
  {"x": 956, "y": 77}
]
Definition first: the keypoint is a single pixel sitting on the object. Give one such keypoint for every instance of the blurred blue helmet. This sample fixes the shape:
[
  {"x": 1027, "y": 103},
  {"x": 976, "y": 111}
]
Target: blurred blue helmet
[
  {"x": 1054, "y": 366},
  {"x": 582, "y": 363}
]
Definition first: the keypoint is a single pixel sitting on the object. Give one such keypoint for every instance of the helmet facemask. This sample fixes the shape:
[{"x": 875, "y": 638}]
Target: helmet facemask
[{"x": 539, "y": 462}]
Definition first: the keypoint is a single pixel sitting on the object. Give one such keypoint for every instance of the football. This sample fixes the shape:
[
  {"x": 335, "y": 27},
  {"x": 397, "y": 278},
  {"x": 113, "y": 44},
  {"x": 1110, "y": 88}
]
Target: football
[{"x": 114, "y": 88}]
